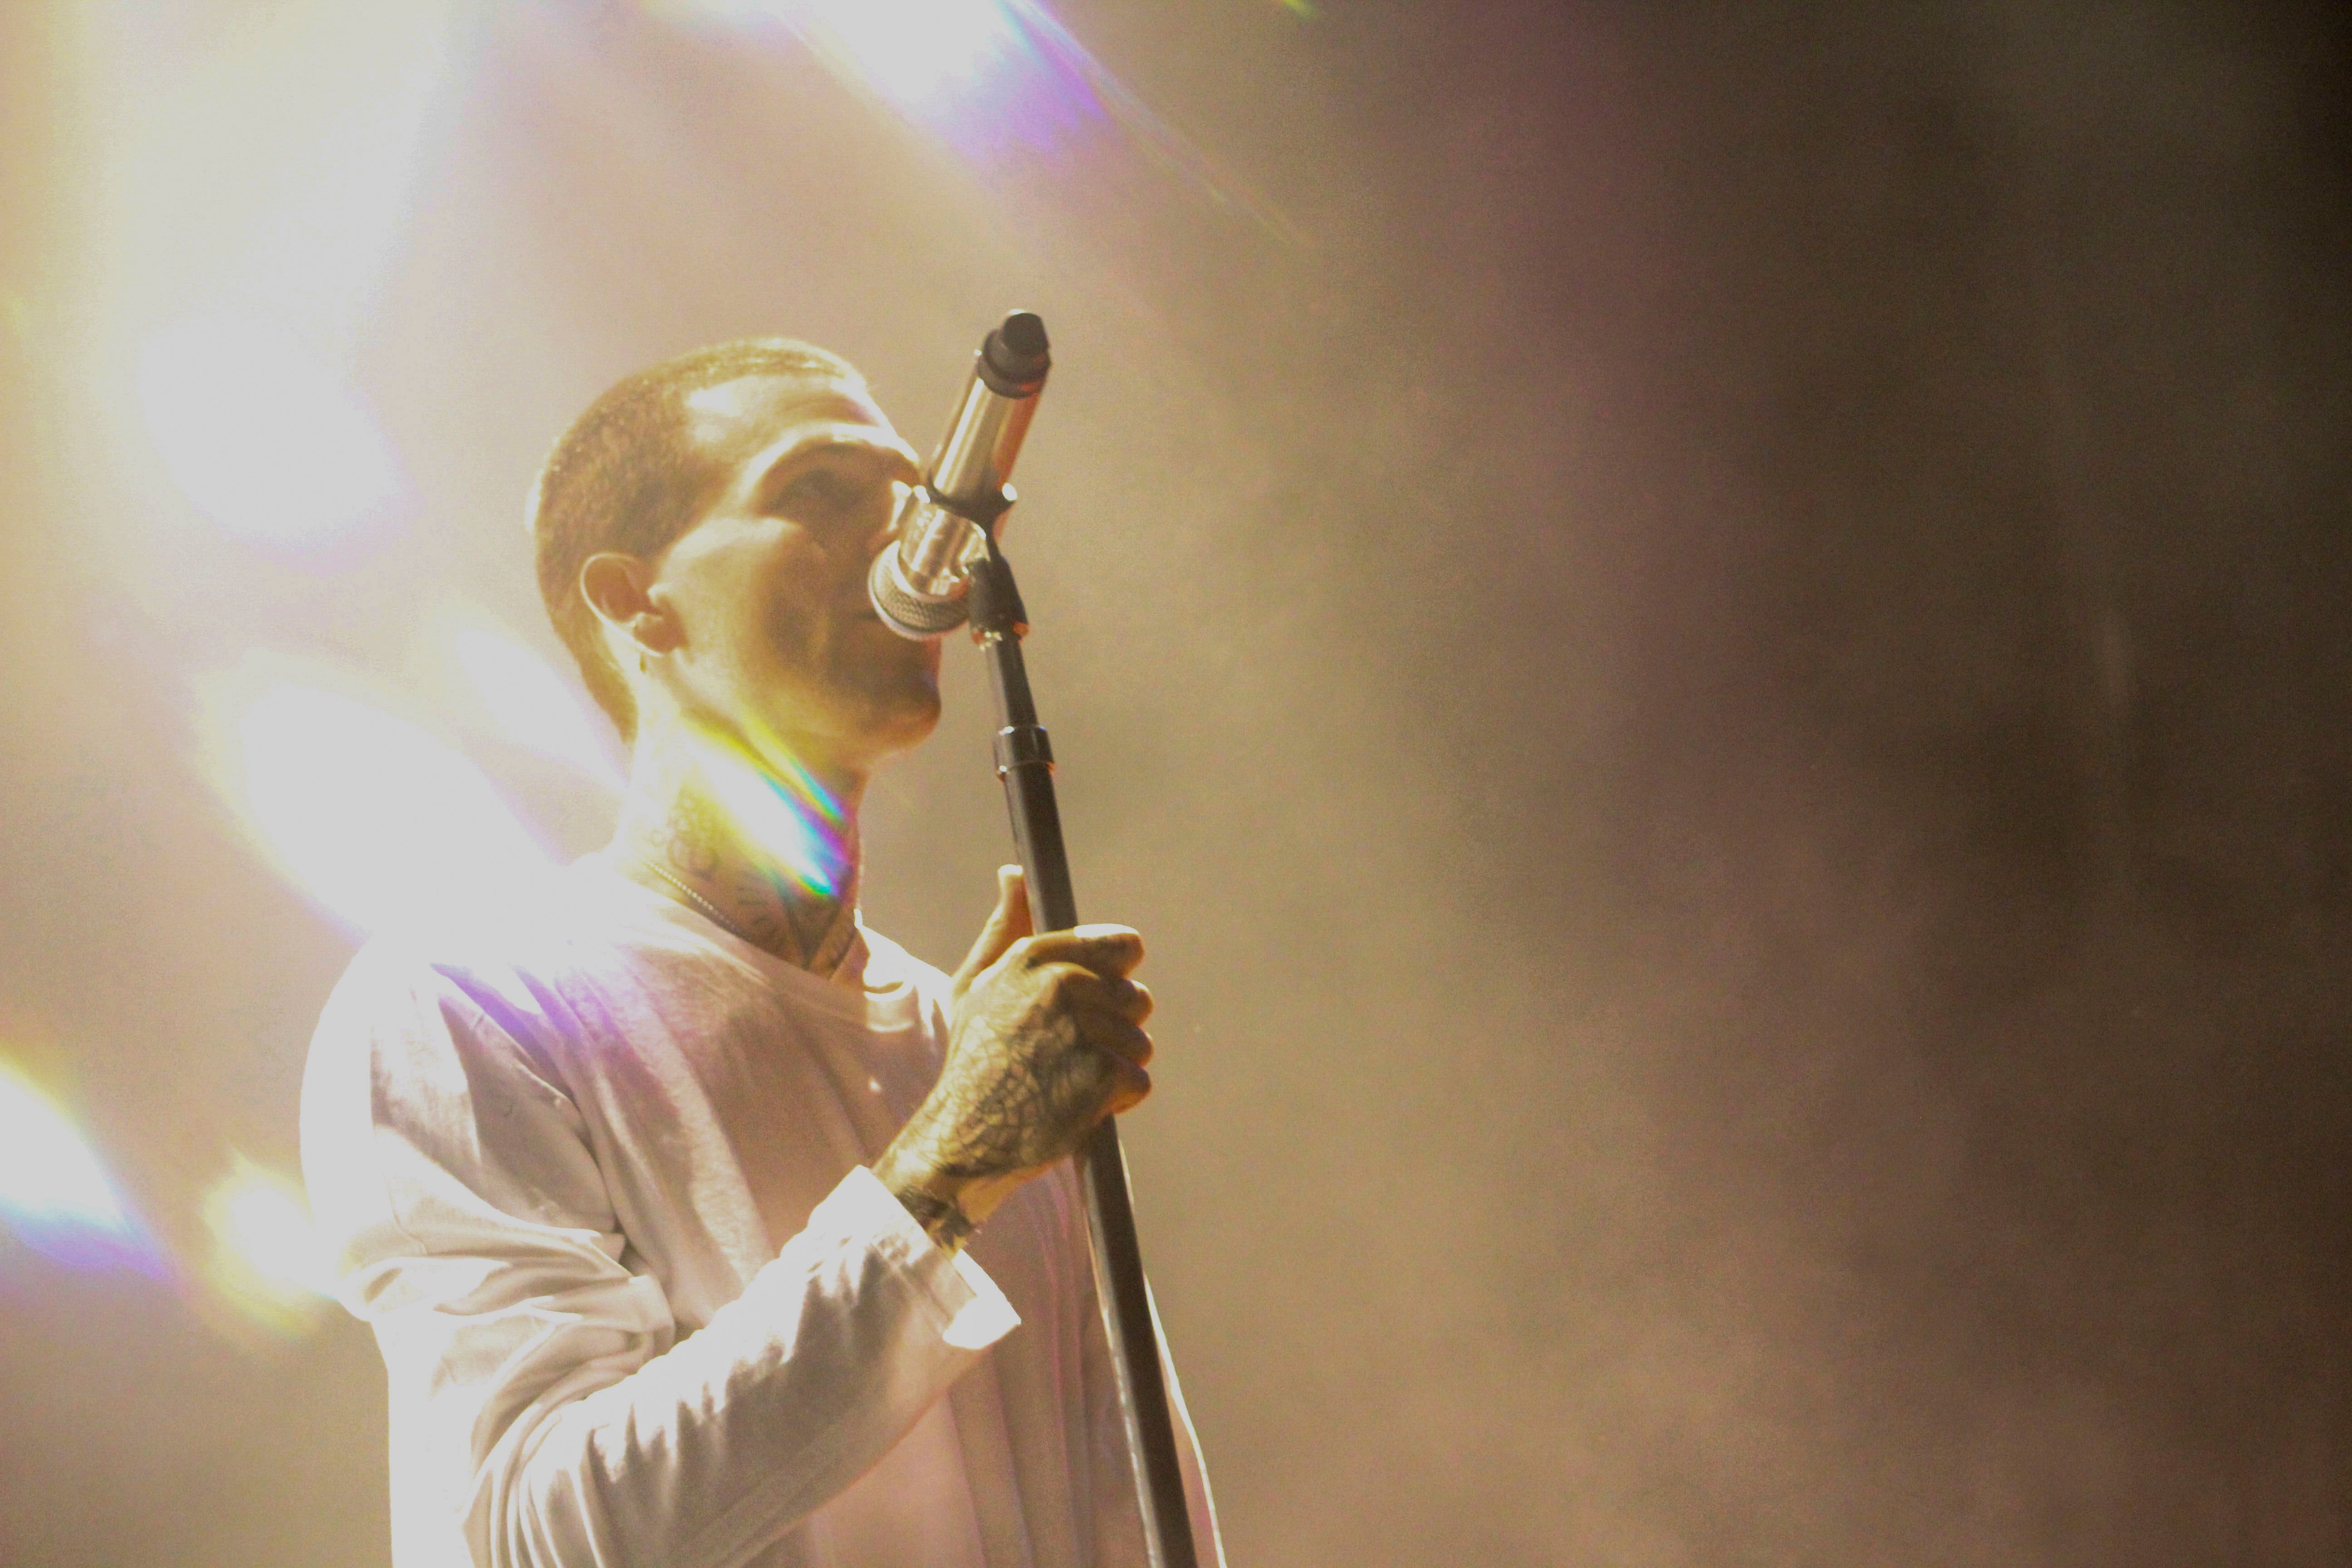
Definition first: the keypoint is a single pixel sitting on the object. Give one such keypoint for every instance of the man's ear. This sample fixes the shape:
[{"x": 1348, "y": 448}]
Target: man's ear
[{"x": 620, "y": 589}]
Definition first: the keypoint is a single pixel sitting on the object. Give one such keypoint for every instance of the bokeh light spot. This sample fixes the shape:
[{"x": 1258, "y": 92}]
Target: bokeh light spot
[{"x": 267, "y": 1262}]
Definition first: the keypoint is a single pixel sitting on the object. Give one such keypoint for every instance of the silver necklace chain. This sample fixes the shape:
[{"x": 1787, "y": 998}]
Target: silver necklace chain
[
  {"x": 728, "y": 925},
  {"x": 697, "y": 899}
]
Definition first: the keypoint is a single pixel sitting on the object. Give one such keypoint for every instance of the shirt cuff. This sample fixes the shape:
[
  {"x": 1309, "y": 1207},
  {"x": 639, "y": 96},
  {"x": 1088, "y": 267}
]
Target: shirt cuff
[{"x": 972, "y": 1312}]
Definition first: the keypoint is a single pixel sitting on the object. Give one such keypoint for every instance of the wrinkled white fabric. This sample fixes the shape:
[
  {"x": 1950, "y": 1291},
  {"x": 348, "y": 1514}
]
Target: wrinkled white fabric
[{"x": 596, "y": 1171}]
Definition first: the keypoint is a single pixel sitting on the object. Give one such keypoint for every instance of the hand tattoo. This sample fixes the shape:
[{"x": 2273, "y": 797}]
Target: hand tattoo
[
  {"x": 1045, "y": 1039},
  {"x": 995, "y": 1115}
]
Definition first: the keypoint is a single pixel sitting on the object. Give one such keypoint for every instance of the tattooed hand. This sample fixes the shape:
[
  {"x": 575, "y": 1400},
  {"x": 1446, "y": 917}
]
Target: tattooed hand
[{"x": 1045, "y": 1040}]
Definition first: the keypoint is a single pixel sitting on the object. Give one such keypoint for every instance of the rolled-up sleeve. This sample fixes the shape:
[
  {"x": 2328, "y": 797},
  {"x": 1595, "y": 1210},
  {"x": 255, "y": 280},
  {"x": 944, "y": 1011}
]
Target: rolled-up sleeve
[{"x": 543, "y": 1402}]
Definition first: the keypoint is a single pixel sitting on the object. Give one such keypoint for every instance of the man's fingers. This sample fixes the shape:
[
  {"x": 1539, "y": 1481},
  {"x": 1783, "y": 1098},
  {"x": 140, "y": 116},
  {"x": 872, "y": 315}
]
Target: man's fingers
[
  {"x": 1131, "y": 1083},
  {"x": 1084, "y": 991},
  {"x": 1109, "y": 950},
  {"x": 1117, "y": 1039},
  {"x": 1007, "y": 924},
  {"x": 1117, "y": 1078}
]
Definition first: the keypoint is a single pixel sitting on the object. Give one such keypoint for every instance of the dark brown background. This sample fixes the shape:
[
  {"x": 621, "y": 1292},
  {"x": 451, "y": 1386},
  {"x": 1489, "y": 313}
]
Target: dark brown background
[{"x": 1720, "y": 680}]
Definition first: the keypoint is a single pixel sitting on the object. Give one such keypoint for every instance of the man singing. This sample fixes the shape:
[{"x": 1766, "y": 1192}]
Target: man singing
[{"x": 701, "y": 1225}]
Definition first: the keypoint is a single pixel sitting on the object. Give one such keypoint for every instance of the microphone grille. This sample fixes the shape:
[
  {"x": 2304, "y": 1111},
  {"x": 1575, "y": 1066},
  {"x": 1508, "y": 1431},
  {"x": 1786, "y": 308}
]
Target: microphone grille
[{"x": 914, "y": 618}]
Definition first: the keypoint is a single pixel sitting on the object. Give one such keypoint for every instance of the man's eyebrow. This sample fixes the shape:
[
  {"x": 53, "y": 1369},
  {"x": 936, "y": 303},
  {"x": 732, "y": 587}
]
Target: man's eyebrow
[{"x": 889, "y": 456}]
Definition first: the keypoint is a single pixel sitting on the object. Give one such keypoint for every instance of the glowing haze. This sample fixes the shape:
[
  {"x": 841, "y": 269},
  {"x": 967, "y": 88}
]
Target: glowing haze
[{"x": 262, "y": 436}]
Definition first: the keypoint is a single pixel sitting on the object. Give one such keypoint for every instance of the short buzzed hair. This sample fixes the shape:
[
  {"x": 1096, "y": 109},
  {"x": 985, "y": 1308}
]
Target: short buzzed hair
[{"x": 629, "y": 476}]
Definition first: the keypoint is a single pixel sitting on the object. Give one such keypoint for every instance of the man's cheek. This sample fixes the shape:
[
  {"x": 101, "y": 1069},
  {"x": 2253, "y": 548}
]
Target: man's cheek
[{"x": 796, "y": 632}]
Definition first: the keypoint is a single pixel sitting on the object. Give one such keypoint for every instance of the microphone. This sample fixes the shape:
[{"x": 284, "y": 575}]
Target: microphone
[{"x": 920, "y": 585}]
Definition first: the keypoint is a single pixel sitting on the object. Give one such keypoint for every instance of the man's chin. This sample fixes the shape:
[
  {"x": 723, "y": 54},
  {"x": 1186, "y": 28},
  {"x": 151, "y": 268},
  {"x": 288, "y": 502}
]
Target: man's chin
[
  {"x": 877, "y": 695},
  {"x": 911, "y": 720},
  {"x": 891, "y": 710}
]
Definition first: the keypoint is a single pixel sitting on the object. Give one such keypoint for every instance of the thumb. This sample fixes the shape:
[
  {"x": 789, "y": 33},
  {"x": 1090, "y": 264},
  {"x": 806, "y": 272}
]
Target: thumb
[{"x": 1007, "y": 924}]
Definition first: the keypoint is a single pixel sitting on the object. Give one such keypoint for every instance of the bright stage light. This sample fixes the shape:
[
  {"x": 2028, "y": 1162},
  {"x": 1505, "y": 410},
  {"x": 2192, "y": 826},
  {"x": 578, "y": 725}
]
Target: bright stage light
[
  {"x": 267, "y": 1262},
  {"x": 981, "y": 73},
  {"x": 262, "y": 437},
  {"x": 987, "y": 76},
  {"x": 911, "y": 50},
  {"x": 55, "y": 1193},
  {"x": 371, "y": 814}
]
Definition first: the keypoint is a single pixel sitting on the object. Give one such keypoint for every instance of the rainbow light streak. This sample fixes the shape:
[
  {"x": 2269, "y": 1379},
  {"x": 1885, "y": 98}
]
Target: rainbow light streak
[
  {"x": 56, "y": 1194},
  {"x": 268, "y": 1263},
  {"x": 371, "y": 815},
  {"x": 777, "y": 804},
  {"x": 262, "y": 437}
]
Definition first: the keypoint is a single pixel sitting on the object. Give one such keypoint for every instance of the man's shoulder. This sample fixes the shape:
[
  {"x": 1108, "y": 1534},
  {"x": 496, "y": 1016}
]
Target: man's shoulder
[
  {"x": 585, "y": 941},
  {"x": 529, "y": 941}
]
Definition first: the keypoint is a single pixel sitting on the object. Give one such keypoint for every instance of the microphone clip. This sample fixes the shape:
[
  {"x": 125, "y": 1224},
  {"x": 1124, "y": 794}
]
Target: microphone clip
[
  {"x": 996, "y": 599},
  {"x": 983, "y": 511},
  {"x": 952, "y": 536}
]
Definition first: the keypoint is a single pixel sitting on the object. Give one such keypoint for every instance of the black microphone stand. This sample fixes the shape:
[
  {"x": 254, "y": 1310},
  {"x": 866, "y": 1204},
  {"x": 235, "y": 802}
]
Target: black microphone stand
[{"x": 1024, "y": 761}]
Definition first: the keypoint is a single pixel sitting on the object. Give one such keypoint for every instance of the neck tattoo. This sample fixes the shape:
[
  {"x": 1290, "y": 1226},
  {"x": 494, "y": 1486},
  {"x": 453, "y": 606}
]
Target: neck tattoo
[{"x": 832, "y": 954}]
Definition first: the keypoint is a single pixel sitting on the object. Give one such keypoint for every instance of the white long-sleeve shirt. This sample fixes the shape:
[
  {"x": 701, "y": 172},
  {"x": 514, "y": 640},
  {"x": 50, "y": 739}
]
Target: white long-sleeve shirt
[{"x": 597, "y": 1174}]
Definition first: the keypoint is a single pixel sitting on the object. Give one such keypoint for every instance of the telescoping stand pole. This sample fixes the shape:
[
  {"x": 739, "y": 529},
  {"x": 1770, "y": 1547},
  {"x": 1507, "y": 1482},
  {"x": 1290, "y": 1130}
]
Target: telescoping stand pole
[{"x": 1025, "y": 763}]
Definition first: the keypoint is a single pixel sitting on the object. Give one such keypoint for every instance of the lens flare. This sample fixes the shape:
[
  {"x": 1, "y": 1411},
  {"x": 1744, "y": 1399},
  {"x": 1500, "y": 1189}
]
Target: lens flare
[
  {"x": 263, "y": 438},
  {"x": 985, "y": 77},
  {"x": 913, "y": 50},
  {"x": 55, "y": 1193},
  {"x": 779, "y": 804},
  {"x": 530, "y": 703},
  {"x": 371, "y": 814},
  {"x": 981, "y": 73},
  {"x": 917, "y": 54},
  {"x": 267, "y": 1262}
]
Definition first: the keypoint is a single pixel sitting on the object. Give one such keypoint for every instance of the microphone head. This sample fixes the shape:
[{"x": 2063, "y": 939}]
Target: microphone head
[
  {"x": 1015, "y": 357},
  {"x": 911, "y": 615}
]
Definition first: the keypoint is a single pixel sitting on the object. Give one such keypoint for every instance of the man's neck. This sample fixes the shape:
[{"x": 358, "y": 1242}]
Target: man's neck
[{"x": 769, "y": 844}]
